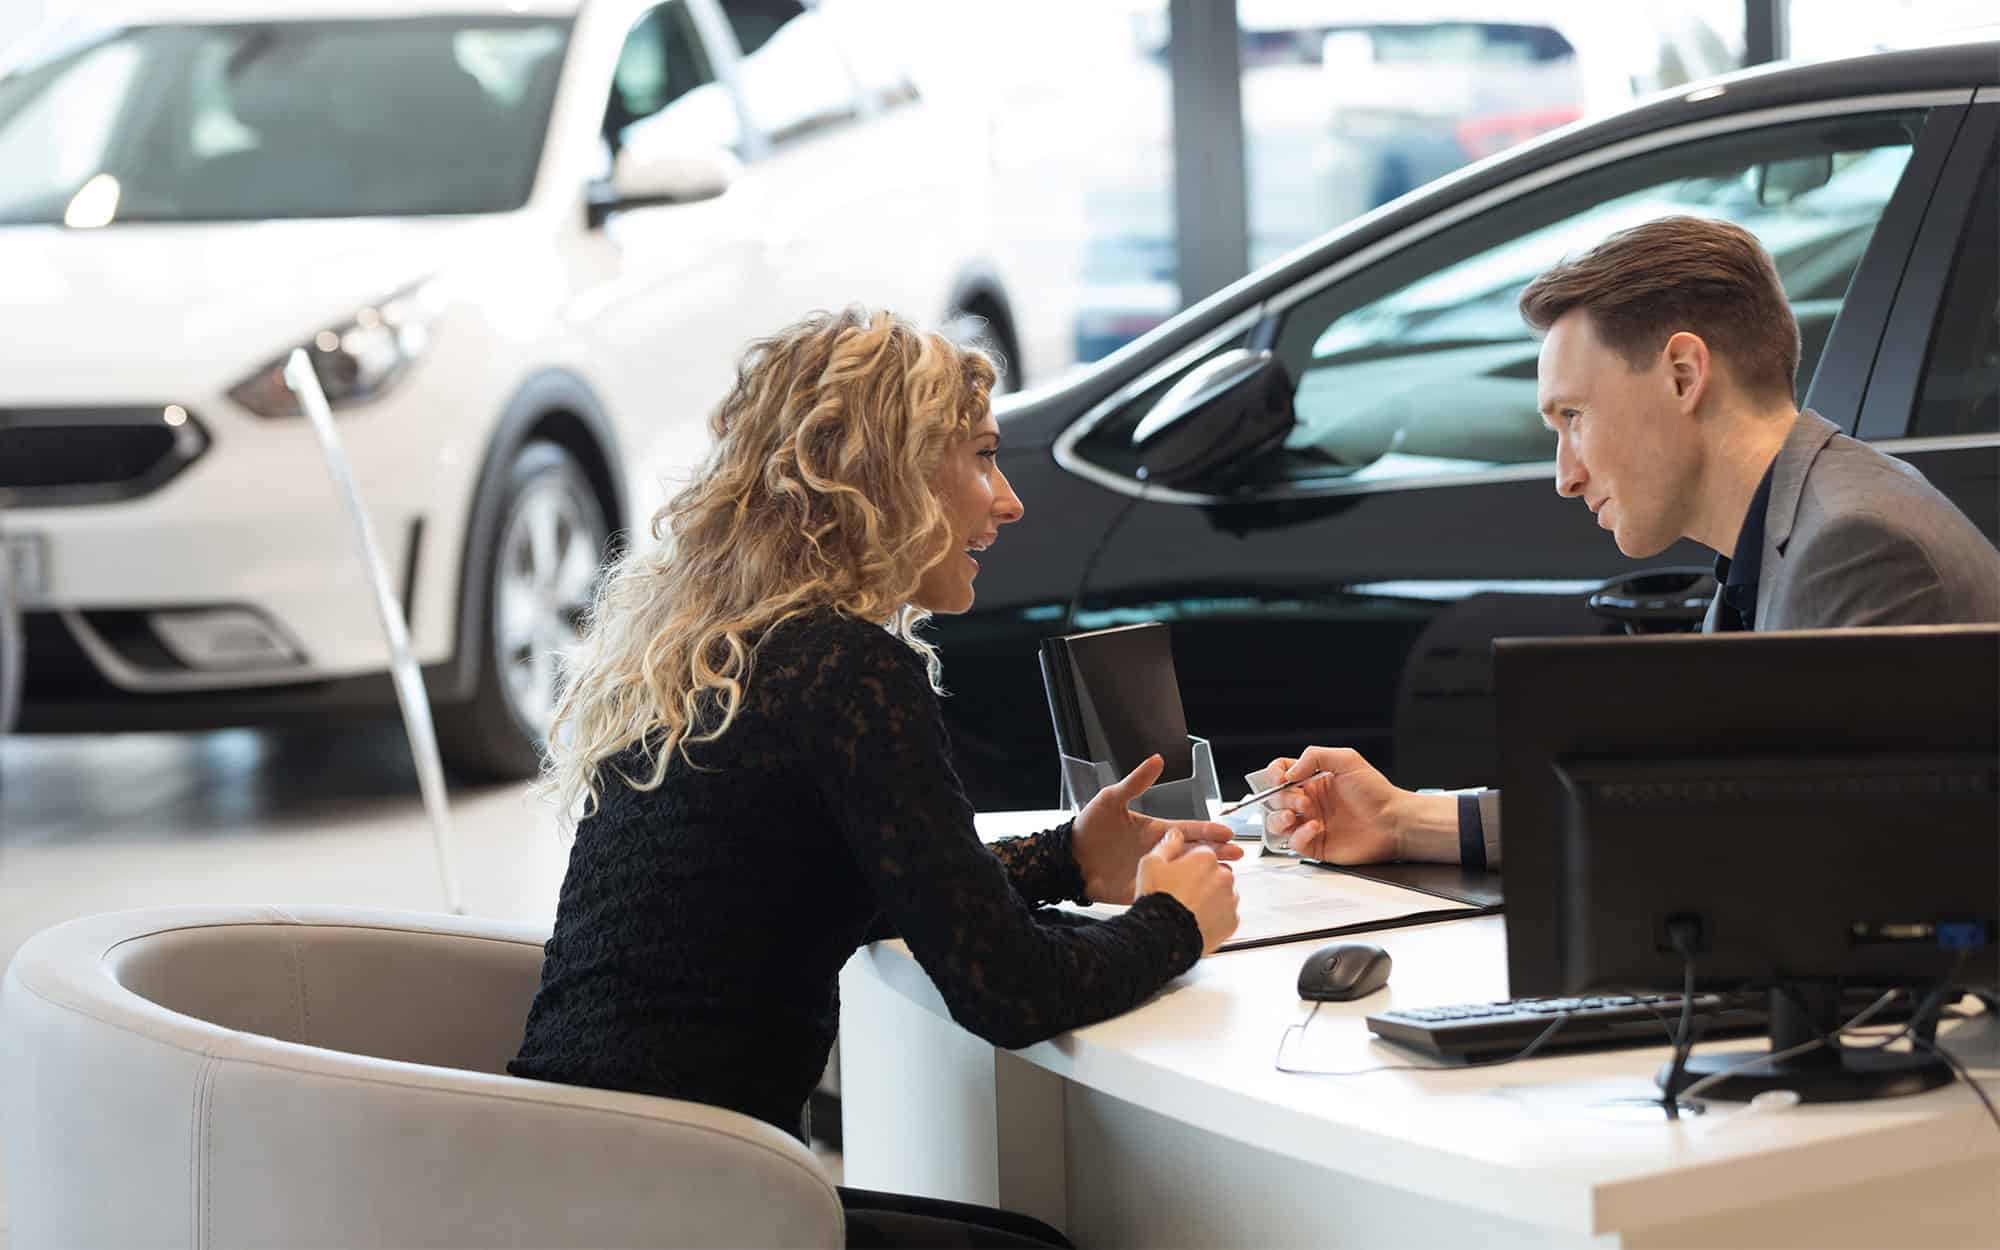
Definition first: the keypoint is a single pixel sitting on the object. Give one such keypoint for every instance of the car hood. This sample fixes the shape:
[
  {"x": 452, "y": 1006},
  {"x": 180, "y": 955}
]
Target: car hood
[{"x": 144, "y": 313}]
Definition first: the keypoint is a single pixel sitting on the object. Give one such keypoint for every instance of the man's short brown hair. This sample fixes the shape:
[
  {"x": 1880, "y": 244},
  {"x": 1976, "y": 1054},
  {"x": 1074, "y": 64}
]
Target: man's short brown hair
[{"x": 1643, "y": 285}]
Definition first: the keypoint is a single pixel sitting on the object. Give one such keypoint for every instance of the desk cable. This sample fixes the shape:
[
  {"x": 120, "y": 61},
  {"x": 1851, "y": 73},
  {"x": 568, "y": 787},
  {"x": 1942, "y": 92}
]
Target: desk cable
[
  {"x": 1929, "y": 1008},
  {"x": 1859, "y": 1020},
  {"x": 1541, "y": 1040},
  {"x": 1684, "y": 933}
]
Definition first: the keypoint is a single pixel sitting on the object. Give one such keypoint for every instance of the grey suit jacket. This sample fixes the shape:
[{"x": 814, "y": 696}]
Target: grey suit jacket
[
  {"x": 1852, "y": 537},
  {"x": 1855, "y": 537}
]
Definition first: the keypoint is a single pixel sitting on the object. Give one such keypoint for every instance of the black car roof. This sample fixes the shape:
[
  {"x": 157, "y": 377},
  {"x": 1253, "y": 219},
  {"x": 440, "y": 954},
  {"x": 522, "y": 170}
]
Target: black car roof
[
  {"x": 1965, "y": 66},
  {"x": 1944, "y": 67}
]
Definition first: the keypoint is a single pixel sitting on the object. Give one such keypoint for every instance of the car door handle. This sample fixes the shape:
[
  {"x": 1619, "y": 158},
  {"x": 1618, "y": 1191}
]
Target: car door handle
[{"x": 1657, "y": 600}]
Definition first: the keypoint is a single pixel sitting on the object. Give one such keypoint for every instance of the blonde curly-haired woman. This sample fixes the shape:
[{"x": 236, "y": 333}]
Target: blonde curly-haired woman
[{"x": 752, "y": 741}]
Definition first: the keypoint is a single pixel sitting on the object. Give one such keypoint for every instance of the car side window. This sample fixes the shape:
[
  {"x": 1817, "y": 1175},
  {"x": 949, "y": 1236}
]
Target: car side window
[
  {"x": 664, "y": 89},
  {"x": 1961, "y": 382},
  {"x": 872, "y": 44},
  {"x": 793, "y": 78},
  {"x": 1420, "y": 365}
]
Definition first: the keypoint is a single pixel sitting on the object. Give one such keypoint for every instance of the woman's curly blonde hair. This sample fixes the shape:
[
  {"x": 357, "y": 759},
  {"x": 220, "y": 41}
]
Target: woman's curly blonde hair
[{"x": 816, "y": 493}]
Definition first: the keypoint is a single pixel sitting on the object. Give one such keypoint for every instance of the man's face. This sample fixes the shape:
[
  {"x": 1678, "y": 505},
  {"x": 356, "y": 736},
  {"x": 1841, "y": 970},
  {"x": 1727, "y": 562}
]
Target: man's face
[{"x": 1625, "y": 438}]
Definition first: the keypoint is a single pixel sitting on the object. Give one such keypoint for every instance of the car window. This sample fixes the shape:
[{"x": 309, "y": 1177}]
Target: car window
[
  {"x": 1961, "y": 383},
  {"x": 1421, "y": 365},
  {"x": 664, "y": 89},
  {"x": 793, "y": 79},
  {"x": 71, "y": 107},
  {"x": 232, "y": 121},
  {"x": 873, "y": 45}
]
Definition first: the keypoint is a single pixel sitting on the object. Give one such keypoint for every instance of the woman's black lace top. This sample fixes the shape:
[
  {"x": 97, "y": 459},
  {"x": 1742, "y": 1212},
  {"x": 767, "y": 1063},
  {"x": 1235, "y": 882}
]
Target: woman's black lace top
[{"x": 702, "y": 924}]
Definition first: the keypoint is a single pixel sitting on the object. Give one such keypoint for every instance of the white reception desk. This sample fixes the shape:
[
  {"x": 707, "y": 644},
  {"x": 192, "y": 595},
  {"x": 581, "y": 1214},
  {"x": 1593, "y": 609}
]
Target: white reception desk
[{"x": 1171, "y": 1126}]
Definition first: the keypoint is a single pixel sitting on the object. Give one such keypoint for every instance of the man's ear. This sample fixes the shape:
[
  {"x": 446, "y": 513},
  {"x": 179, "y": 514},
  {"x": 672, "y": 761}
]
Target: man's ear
[{"x": 1688, "y": 367}]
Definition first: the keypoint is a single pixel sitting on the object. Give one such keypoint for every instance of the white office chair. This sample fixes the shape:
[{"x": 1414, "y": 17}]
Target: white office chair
[{"x": 244, "y": 1076}]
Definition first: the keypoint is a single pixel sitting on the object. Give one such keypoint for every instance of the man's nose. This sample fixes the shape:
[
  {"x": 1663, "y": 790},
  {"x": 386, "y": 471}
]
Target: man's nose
[
  {"x": 1007, "y": 507},
  {"x": 1570, "y": 476}
]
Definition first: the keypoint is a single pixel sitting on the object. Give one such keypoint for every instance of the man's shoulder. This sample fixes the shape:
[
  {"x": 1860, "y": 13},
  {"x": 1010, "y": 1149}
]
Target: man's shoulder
[
  {"x": 1852, "y": 487},
  {"x": 1875, "y": 543}
]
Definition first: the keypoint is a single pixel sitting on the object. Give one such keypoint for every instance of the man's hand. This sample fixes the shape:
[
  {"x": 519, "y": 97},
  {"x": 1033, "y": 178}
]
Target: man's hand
[
  {"x": 1348, "y": 816},
  {"x": 1110, "y": 838}
]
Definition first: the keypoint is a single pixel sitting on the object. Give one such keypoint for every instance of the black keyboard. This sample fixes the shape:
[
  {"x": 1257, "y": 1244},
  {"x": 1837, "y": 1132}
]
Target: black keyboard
[{"x": 1492, "y": 1030}]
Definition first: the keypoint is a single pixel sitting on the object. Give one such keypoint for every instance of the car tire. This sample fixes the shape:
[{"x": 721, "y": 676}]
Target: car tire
[
  {"x": 534, "y": 584},
  {"x": 981, "y": 325}
]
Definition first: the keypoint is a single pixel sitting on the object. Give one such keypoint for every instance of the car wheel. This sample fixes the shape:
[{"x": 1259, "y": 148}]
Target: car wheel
[
  {"x": 536, "y": 583},
  {"x": 983, "y": 327}
]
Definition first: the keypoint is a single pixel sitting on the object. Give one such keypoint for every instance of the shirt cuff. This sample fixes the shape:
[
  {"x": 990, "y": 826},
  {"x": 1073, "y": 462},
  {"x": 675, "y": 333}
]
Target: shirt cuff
[{"x": 1471, "y": 833}]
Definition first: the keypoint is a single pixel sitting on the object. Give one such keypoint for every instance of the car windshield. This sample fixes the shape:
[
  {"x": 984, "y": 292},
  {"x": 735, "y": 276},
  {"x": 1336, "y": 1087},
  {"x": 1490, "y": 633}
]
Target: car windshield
[{"x": 278, "y": 119}]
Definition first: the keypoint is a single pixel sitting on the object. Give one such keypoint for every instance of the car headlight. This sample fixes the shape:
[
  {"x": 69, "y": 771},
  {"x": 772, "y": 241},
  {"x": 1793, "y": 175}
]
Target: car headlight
[{"x": 357, "y": 360}]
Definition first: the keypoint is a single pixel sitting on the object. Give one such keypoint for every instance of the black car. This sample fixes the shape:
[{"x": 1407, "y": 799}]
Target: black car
[{"x": 1355, "y": 496}]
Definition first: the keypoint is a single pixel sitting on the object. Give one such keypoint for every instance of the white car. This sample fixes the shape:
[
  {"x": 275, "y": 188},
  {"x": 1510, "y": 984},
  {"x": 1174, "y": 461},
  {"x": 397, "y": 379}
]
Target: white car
[{"x": 522, "y": 300}]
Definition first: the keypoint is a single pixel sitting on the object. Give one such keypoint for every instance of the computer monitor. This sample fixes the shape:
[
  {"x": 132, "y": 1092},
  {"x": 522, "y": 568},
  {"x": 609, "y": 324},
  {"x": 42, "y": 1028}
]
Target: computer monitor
[{"x": 1807, "y": 809}]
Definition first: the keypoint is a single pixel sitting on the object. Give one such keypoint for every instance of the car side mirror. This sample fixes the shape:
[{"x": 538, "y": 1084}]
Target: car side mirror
[
  {"x": 642, "y": 178},
  {"x": 1780, "y": 182},
  {"x": 1223, "y": 415}
]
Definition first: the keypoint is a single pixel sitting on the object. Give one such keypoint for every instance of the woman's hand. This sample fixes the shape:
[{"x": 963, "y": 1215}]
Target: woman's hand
[
  {"x": 1192, "y": 877},
  {"x": 1109, "y": 838}
]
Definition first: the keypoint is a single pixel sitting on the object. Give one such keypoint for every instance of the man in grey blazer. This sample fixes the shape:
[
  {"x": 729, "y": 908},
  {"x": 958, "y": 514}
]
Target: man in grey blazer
[{"x": 1667, "y": 372}]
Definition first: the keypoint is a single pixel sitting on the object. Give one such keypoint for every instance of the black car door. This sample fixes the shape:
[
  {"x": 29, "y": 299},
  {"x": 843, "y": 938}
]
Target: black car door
[
  {"x": 1933, "y": 395},
  {"x": 1346, "y": 590}
]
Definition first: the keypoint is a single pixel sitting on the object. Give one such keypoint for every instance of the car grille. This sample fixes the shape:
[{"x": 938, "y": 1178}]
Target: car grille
[{"x": 55, "y": 456}]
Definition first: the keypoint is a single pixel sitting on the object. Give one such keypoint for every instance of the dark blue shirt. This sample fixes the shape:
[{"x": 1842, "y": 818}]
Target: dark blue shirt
[{"x": 1737, "y": 579}]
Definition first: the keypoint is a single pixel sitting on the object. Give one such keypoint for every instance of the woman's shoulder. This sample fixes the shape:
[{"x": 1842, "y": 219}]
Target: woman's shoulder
[
  {"x": 825, "y": 650},
  {"x": 827, "y": 632}
]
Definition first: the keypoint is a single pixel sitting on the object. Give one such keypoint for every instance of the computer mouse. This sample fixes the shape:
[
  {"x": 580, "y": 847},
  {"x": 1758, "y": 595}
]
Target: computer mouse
[{"x": 1343, "y": 971}]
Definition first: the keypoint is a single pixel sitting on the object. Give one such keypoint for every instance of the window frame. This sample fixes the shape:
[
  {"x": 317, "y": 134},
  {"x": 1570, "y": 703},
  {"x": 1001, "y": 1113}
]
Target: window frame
[
  {"x": 704, "y": 47},
  {"x": 1888, "y": 407},
  {"x": 1893, "y": 238},
  {"x": 728, "y": 58}
]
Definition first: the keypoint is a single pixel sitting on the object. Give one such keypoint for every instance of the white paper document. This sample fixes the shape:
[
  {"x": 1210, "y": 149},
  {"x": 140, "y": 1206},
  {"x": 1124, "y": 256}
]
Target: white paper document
[{"x": 1279, "y": 897}]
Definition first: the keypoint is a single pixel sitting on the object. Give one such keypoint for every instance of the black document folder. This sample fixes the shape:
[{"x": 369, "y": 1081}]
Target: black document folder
[
  {"x": 1476, "y": 887},
  {"x": 1114, "y": 697}
]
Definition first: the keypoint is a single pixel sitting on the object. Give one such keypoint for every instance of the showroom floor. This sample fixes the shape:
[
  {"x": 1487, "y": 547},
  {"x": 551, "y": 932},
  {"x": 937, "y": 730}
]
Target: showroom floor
[{"x": 90, "y": 824}]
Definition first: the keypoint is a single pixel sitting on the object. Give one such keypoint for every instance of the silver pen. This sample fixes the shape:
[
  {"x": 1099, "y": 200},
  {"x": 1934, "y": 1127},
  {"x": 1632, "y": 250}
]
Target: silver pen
[{"x": 1261, "y": 795}]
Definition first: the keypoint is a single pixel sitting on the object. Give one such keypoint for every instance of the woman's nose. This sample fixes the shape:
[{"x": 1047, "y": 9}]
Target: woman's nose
[{"x": 1007, "y": 507}]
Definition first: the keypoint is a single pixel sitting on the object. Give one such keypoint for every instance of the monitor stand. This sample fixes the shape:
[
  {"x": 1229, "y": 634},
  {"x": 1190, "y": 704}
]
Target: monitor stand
[{"x": 1800, "y": 1012}]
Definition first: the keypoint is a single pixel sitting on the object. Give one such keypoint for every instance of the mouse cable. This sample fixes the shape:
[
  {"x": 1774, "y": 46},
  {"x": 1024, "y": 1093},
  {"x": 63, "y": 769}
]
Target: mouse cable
[
  {"x": 1666, "y": 1027},
  {"x": 1278, "y": 1060}
]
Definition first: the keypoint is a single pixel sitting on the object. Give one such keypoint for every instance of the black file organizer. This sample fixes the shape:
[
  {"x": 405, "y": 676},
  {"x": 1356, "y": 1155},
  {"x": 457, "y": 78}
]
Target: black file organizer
[{"x": 1189, "y": 798}]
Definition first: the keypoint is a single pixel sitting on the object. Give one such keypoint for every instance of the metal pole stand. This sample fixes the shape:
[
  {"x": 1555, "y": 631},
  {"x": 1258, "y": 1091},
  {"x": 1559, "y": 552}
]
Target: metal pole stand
[{"x": 409, "y": 682}]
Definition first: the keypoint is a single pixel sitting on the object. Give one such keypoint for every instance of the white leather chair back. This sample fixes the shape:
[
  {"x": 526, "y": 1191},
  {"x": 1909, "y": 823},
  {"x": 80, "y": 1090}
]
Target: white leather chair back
[{"x": 235, "y": 1076}]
